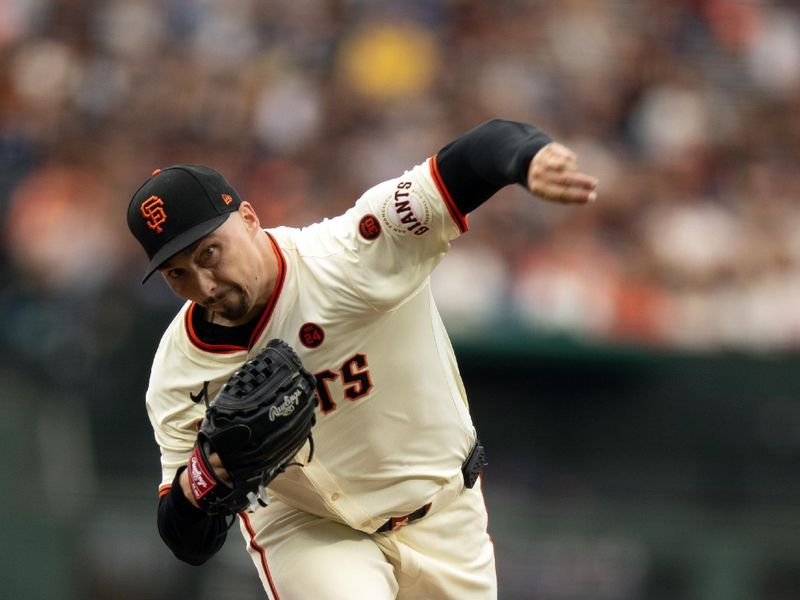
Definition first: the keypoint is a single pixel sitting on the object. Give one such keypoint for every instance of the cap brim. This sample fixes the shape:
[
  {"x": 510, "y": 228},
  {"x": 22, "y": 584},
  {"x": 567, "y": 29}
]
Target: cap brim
[{"x": 181, "y": 242}]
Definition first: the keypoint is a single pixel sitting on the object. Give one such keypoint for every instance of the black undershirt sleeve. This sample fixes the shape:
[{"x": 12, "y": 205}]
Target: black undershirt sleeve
[
  {"x": 495, "y": 154},
  {"x": 191, "y": 534}
]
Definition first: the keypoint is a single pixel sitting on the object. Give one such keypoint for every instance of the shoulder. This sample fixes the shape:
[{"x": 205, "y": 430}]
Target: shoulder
[
  {"x": 406, "y": 206},
  {"x": 170, "y": 339}
]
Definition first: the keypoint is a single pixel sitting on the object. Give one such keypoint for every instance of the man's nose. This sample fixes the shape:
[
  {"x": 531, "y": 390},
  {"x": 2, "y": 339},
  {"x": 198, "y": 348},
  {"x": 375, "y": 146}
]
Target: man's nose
[{"x": 206, "y": 284}]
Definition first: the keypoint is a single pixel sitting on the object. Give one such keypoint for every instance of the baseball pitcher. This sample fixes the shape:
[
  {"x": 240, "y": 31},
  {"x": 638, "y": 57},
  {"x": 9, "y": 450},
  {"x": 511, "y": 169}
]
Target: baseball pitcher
[{"x": 307, "y": 388}]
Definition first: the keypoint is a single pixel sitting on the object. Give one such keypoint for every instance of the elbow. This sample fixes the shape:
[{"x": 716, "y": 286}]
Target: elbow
[
  {"x": 190, "y": 558},
  {"x": 191, "y": 551},
  {"x": 192, "y": 536}
]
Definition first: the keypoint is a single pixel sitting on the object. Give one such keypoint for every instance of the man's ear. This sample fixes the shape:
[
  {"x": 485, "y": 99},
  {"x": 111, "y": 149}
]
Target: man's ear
[{"x": 249, "y": 217}]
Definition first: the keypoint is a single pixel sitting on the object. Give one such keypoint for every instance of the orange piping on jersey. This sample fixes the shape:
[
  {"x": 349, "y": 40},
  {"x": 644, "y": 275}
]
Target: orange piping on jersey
[
  {"x": 276, "y": 292},
  {"x": 195, "y": 339},
  {"x": 262, "y": 322},
  {"x": 456, "y": 214},
  {"x": 164, "y": 490},
  {"x": 262, "y": 553}
]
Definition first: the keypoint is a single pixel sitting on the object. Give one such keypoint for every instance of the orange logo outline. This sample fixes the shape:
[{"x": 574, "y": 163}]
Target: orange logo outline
[{"x": 153, "y": 212}]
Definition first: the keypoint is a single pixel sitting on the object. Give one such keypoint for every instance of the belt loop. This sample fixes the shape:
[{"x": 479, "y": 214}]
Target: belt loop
[{"x": 474, "y": 464}]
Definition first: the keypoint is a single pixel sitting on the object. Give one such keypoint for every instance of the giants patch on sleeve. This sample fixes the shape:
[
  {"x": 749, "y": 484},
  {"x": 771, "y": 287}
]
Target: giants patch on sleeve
[{"x": 406, "y": 211}]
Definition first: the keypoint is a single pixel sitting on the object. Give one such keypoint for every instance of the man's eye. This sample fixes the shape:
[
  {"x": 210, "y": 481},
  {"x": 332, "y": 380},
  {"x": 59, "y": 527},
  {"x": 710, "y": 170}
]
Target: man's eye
[
  {"x": 209, "y": 252},
  {"x": 174, "y": 273}
]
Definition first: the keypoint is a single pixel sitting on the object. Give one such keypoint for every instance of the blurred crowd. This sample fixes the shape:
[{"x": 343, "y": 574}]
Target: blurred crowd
[{"x": 687, "y": 110}]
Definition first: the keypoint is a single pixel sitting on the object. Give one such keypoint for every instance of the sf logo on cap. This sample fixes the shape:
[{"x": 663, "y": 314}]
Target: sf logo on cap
[{"x": 153, "y": 213}]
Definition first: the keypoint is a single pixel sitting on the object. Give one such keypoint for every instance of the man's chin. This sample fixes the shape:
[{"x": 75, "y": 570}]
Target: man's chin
[{"x": 235, "y": 312}]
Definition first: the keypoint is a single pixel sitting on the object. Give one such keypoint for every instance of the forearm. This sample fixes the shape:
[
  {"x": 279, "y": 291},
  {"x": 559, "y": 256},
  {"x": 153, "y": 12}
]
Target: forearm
[
  {"x": 497, "y": 153},
  {"x": 191, "y": 534}
]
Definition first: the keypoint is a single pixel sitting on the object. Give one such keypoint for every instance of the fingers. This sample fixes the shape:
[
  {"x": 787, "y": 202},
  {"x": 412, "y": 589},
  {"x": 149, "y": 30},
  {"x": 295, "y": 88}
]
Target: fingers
[
  {"x": 573, "y": 188},
  {"x": 553, "y": 175},
  {"x": 219, "y": 470}
]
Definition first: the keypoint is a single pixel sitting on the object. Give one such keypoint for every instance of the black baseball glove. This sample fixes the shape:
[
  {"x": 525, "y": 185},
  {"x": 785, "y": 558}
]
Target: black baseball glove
[{"x": 257, "y": 423}]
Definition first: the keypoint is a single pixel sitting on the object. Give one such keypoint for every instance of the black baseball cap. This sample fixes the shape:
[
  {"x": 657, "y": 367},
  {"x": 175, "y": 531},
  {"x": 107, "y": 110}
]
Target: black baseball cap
[{"x": 176, "y": 207}]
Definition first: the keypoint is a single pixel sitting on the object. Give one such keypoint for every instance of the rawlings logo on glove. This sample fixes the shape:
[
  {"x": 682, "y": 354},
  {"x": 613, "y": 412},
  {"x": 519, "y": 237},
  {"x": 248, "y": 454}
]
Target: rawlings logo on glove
[
  {"x": 287, "y": 408},
  {"x": 257, "y": 423},
  {"x": 201, "y": 480}
]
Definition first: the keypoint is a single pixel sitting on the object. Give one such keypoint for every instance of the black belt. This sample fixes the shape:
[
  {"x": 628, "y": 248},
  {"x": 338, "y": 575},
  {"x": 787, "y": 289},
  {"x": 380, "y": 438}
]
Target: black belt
[
  {"x": 398, "y": 522},
  {"x": 470, "y": 469}
]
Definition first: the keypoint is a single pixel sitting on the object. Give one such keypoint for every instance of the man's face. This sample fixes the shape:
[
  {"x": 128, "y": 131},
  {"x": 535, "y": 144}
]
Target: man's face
[{"x": 224, "y": 271}]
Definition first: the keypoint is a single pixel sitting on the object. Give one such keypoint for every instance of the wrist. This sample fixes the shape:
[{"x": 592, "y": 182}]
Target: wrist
[{"x": 186, "y": 488}]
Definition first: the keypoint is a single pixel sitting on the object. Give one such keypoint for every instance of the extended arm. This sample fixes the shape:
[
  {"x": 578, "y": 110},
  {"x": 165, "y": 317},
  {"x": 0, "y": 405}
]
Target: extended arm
[{"x": 498, "y": 153}]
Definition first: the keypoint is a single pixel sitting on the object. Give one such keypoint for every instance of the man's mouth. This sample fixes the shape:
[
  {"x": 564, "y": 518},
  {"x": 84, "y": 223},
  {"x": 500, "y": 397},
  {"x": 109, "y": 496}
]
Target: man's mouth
[{"x": 218, "y": 300}]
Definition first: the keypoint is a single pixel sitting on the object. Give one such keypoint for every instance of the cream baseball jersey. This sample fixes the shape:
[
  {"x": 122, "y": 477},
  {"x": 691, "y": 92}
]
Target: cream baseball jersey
[{"x": 353, "y": 299}]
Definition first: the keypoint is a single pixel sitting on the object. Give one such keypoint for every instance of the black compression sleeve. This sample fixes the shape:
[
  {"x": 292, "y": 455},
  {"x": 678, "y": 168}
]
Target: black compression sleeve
[
  {"x": 497, "y": 153},
  {"x": 191, "y": 534}
]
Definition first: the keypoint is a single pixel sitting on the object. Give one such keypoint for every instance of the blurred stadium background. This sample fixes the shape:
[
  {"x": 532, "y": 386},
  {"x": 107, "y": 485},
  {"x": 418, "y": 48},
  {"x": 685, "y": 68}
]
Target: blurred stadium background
[{"x": 632, "y": 366}]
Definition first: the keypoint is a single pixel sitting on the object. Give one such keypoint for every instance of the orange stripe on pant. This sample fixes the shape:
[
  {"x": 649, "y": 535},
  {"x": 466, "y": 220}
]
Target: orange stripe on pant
[{"x": 262, "y": 553}]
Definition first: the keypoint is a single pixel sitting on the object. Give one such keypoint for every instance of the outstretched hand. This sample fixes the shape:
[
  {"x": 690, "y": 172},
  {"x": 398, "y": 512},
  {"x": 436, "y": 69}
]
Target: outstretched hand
[{"x": 553, "y": 175}]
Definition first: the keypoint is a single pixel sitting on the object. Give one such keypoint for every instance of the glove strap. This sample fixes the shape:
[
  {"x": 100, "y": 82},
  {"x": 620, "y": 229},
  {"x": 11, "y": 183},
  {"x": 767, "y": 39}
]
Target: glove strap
[{"x": 202, "y": 478}]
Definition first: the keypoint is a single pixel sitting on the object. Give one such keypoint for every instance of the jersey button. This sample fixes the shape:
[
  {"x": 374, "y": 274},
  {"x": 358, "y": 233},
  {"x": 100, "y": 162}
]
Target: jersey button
[{"x": 335, "y": 496}]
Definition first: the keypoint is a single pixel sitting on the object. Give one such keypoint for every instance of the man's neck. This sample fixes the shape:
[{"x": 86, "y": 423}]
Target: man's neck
[{"x": 215, "y": 318}]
